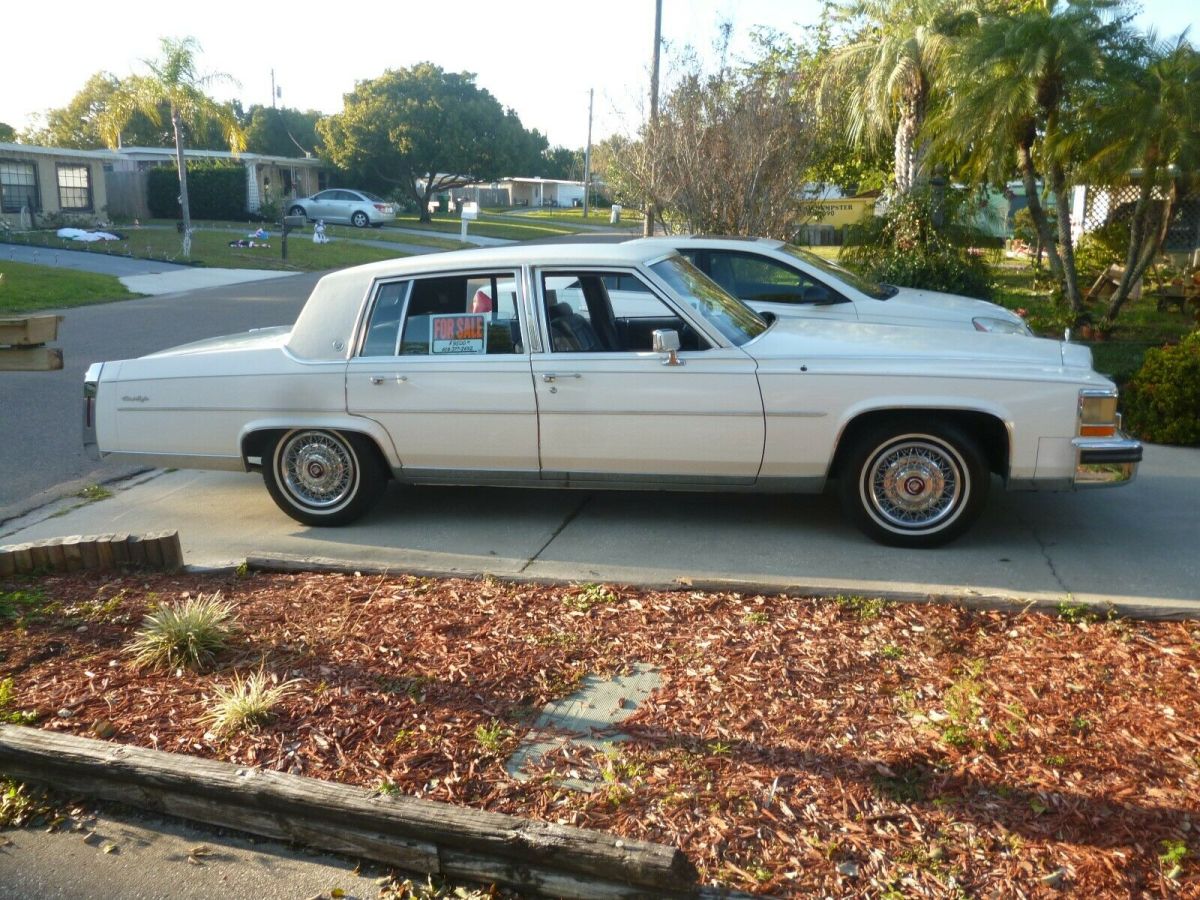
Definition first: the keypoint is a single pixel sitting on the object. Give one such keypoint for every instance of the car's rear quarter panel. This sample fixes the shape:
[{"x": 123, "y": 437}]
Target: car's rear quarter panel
[{"x": 181, "y": 405}]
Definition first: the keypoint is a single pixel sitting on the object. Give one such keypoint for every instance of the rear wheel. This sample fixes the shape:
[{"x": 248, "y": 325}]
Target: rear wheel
[
  {"x": 323, "y": 477},
  {"x": 914, "y": 487},
  {"x": 360, "y": 219}
]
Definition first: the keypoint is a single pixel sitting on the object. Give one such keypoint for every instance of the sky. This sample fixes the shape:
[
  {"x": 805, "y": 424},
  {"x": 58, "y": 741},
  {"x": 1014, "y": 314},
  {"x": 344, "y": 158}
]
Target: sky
[{"x": 539, "y": 57}]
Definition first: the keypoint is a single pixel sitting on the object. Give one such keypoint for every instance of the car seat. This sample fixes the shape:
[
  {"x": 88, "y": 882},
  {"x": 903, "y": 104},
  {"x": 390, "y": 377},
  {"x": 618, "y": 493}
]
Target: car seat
[{"x": 571, "y": 332}]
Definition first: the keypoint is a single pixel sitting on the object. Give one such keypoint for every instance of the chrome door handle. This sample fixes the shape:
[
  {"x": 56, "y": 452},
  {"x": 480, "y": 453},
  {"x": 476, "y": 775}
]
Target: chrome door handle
[
  {"x": 551, "y": 376},
  {"x": 379, "y": 379}
]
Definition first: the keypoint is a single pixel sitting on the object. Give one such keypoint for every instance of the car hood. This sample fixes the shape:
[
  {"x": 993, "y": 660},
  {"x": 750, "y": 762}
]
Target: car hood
[
  {"x": 257, "y": 339},
  {"x": 916, "y": 304},
  {"x": 808, "y": 339}
]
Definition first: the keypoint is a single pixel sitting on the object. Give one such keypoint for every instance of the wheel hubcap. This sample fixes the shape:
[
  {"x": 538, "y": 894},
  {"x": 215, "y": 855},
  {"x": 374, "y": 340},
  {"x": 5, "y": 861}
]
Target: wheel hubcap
[
  {"x": 317, "y": 469},
  {"x": 914, "y": 484}
]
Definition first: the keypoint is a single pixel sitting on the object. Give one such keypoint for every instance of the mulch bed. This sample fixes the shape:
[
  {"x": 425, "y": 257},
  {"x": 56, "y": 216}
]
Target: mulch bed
[{"x": 797, "y": 746}]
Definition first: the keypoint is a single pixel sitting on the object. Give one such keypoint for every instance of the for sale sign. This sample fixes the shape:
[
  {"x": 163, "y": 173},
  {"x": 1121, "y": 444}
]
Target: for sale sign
[{"x": 459, "y": 333}]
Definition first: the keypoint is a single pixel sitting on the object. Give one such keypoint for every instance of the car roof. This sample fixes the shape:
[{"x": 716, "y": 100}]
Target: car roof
[
  {"x": 671, "y": 240},
  {"x": 575, "y": 253}
]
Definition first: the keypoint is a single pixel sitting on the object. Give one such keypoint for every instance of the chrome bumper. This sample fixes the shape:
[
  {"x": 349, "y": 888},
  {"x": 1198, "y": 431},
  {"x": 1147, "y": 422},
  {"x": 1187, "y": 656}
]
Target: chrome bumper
[
  {"x": 1106, "y": 462},
  {"x": 91, "y": 382}
]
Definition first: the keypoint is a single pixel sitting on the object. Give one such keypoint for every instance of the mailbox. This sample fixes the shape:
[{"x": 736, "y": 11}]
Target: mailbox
[{"x": 470, "y": 210}]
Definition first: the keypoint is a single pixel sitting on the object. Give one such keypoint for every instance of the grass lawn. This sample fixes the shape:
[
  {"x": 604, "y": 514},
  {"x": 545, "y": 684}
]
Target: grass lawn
[
  {"x": 508, "y": 227},
  {"x": 1139, "y": 326},
  {"x": 597, "y": 215},
  {"x": 24, "y": 288},
  {"x": 797, "y": 746},
  {"x": 210, "y": 247}
]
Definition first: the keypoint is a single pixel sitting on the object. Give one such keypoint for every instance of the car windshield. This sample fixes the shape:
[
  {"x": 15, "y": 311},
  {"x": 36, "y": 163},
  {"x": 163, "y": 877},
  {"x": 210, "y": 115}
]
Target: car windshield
[
  {"x": 872, "y": 289},
  {"x": 374, "y": 198},
  {"x": 734, "y": 319}
]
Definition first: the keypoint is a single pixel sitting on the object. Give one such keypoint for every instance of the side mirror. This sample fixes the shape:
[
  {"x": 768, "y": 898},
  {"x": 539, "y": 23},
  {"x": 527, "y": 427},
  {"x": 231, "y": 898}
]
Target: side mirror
[{"x": 666, "y": 340}]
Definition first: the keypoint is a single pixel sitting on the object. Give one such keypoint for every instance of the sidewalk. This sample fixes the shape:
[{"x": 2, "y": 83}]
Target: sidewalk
[{"x": 142, "y": 276}]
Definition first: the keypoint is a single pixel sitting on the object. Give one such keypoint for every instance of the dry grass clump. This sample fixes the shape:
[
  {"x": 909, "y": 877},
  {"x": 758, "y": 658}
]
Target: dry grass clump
[
  {"x": 184, "y": 635},
  {"x": 245, "y": 704}
]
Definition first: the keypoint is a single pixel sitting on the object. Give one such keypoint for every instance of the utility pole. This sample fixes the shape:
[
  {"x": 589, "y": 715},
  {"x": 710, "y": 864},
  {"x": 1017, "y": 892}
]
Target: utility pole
[
  {"x": 648, "y": 223},
  {"x": 587, "y": 157},
  {"x": 272, "y": 89}
]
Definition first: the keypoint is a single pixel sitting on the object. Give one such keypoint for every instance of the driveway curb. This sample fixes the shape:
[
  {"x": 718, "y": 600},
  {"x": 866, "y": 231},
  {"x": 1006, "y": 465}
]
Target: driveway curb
[{"x": 1150, "y": 611}]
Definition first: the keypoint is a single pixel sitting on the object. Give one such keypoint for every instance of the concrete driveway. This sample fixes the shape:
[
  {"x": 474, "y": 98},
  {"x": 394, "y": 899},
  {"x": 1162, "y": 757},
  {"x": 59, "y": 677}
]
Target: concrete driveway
[{"x": 1130, "y": 546}]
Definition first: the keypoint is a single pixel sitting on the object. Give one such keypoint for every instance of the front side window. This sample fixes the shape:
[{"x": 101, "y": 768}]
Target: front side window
[
  {"x": 18, "y": 187},
  {"x": 74, "y": 187},
  {"x": 756, "y": 279},
  {"x": 734, "y": 319},
  {"x": 448, "y": 316},
  {"x": 607, "y": 312},
  {"x": 872, "y": 289}
]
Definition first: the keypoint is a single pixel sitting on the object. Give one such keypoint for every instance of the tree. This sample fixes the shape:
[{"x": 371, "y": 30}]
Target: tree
[
  {"x": 8, "y": 134},
  {"x": 77, "y": 125},
  {"x": 1016, "y": 91},
  {"x": 1154, "y": 149},
  {"x": 887, "y": 74},
  {"x": 282, "y": 132},
  {"x": 724, "y": 156},
  {"x": 423, "y": 130},
  {"x": 559, "y": 162},
  {"x": 174, "y": 84}
]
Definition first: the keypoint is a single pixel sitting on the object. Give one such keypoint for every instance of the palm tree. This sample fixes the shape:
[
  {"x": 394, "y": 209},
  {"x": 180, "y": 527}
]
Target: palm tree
[
  {"x": 173, "y": 85},
  {"x": 888, "y": 74},
  {"x": 1015, "y": 90},
  {"x": 1156, "y": 145}
]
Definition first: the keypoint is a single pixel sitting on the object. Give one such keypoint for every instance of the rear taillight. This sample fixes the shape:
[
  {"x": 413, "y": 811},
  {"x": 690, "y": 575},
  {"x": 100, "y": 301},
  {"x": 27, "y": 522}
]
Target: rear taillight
[{"x": 1098, "y": 413}]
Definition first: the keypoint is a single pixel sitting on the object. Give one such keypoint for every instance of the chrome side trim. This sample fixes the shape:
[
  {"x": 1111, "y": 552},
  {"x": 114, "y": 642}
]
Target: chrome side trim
[
  {"x": 182, "y": 460},
  {"x": 609, "y": 481}
]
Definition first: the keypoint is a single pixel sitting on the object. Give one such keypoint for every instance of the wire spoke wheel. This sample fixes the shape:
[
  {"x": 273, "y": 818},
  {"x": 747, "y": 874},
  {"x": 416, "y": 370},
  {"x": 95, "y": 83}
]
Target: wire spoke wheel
[
  {"x": 321, "y": 477},
  {"x": 914, "y": 488},
  {"x": 318, "y": 469},
  {"x": 915, "y": 484}
]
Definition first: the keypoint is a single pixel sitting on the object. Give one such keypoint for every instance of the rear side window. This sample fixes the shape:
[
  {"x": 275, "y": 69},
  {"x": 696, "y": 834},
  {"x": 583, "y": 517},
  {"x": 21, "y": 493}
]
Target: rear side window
[{"x": 455, "y": 315}]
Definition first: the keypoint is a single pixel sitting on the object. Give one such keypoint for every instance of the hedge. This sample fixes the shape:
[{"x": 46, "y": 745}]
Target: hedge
[{"x": 215, "y": 191}]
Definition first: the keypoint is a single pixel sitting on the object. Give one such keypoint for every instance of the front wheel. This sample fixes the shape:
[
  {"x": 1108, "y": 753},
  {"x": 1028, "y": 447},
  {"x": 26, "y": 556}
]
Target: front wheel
[
  {"x": 360, "y": 219},
  {"x": 914, "y": 487},
  {"x": 298, "y": 211},
  {"x": 324, "y": 477}
]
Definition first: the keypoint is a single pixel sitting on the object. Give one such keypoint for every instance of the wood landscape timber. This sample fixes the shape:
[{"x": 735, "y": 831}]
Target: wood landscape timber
[{"x": 424, "y": 835}]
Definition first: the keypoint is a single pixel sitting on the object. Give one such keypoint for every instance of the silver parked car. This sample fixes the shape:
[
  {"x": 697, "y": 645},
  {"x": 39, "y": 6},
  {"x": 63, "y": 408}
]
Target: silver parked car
[{"x": 357, "y": 208}]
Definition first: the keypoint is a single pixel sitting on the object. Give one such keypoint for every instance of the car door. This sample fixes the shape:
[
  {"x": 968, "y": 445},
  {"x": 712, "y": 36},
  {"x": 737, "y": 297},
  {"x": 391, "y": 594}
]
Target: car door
[
  {"x": 443, "y": 366},
  {"x": 608, "y": 407},
  {"x": 770, "y": 285}
]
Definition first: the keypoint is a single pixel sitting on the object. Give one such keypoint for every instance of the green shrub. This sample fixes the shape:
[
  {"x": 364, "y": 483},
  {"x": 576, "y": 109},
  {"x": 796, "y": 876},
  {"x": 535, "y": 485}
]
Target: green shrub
[
  {"x": 215, "y": 191},
  {"x": 904, "y": 247},
  {"x": 1162, "y": 402},
  {"x": 1099, "y": 249}
]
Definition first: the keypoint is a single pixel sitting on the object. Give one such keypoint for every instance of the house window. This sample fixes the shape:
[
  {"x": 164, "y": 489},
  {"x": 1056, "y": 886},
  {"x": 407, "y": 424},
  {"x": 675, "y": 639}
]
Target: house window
[
  {"x": 18, "y": 187},
  {"x": 74, "y": 187}
]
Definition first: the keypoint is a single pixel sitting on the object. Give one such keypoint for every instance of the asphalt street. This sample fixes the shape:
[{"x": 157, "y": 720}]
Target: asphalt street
[{"x": 40, "y": 412}]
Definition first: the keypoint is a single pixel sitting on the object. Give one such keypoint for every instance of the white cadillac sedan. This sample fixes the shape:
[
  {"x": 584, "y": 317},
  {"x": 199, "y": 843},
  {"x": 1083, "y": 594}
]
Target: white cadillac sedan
[{"x": 611, "y": 366}]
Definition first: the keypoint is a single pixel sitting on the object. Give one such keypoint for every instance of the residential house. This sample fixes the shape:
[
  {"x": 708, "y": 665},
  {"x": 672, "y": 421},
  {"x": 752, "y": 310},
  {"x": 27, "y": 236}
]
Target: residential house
[{"x": 86, "y": 187}]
